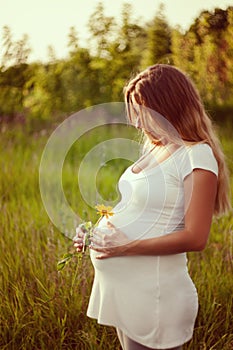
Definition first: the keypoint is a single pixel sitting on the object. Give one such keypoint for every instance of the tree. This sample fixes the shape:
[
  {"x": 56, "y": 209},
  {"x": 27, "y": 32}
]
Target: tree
[
  {"x": 80, "y": 82},
  {"x": 51, "y": 54},
  {"x": 176, "y": 46},
  {"x": 205, "y": 52},
  {"x": 126, "y": 52},
  {"x": 159, "y": 39},
  {"x": 14, "y": 73},
  {"x": 45, "y": 98},
  {"x": 7, "y": 47},
  {"x": 101, "y": 28},
  {"x": 182, "y": 47},
  {"x": 73, "y": 41},
  {"x": 14, "y": 52},
  {"x": 22, "y": 50},
  {"x": 226, "y": 54}
]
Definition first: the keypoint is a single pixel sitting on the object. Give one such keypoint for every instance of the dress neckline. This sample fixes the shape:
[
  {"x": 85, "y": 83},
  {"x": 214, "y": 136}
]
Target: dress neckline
[{"x": 148, "y": 169}]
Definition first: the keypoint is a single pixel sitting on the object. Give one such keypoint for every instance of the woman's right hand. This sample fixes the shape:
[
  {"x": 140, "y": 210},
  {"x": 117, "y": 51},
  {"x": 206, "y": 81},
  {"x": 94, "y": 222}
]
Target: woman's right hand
[{"x": 78, "y": 239}]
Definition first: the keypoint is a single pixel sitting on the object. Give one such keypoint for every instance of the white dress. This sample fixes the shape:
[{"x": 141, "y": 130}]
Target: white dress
[{"x": 152, "y": 299}]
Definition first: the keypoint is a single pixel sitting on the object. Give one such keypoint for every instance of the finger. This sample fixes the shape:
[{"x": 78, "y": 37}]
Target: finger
[
  {"x": 97, "y": 242},
  {"x": 96, "y": 248},
  {"x": 79, "y": 249},
  {"x": 78, "y": 244},
  {"x": 79, "y": 231},
  {"x": 112, "y": 227},
  {"x": 98, "y": 232},
  {"x": 104, "y": 253},
  {"x": 102, "y": 256},
  {"x": 77, "y": 239},
  {"x": 99, "y": 248},
  {"x": 99, "y": 236},
  {"x": 79, "y": 234}
]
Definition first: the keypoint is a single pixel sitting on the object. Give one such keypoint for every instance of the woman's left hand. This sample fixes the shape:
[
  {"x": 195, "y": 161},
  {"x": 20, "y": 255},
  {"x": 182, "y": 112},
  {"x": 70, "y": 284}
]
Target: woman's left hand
[{"x": 109, "y": 244}]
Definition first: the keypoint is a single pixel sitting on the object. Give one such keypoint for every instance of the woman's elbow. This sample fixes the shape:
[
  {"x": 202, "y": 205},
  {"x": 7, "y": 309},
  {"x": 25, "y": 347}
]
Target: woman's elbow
[
  {"x": 197, "y": 241},
  {"x": 199, "y": 247}
]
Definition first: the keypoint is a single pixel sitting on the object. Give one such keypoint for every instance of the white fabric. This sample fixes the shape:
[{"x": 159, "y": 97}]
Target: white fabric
[{"x": 152, "y": 299}]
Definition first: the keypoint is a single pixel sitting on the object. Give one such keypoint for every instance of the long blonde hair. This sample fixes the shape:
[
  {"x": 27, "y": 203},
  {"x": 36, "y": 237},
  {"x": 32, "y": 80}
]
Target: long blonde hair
[{"x": 171, "y": 93}]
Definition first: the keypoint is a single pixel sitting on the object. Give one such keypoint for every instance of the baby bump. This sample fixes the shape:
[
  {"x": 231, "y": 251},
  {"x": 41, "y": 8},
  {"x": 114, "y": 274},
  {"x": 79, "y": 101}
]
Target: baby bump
[
  {"x": 130, "y": 271},
  {"x": 135, "y": 226}
]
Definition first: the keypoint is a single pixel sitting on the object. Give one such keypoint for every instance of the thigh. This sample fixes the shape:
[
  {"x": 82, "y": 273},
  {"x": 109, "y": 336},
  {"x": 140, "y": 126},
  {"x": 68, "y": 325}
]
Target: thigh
[
  {"x": 120, "y": 337},
  {"x": 132, "y": 345},
  {"x": 129, "y": 344}
]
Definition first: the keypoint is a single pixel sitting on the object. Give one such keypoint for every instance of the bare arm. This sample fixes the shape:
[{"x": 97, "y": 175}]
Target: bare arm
[{"x": 199, "y": 203}]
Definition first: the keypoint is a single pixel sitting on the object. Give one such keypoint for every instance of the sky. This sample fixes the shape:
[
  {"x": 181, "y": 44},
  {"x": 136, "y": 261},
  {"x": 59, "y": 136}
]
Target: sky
[{"x": 47, "y": 22}]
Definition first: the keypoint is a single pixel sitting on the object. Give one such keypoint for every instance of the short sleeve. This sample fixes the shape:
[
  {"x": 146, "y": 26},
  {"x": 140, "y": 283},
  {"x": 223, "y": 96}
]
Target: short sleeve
[{"x": 198, "y": 156}]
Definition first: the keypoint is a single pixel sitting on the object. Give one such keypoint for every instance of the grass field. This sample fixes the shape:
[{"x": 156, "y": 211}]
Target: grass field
[{"x": 42, "y": 309}]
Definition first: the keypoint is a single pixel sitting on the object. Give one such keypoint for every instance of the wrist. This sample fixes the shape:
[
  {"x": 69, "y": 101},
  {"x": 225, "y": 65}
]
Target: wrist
[{"x": 130, "y": 248}]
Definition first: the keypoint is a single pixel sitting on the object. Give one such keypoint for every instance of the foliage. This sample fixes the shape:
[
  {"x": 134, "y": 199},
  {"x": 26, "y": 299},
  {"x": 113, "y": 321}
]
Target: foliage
[
  {"x": 114, "y": 52},
  {"x": 205, "y": 51},
  {"x": 158, "y": 40}
]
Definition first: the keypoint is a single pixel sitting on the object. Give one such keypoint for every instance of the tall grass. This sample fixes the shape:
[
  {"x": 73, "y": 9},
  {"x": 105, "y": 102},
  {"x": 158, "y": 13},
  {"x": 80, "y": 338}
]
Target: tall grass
[{"x": 43, "y": 309}]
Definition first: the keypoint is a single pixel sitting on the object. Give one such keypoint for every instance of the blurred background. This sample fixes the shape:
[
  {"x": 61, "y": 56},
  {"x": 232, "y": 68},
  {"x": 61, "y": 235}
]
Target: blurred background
[
  {"x": 37, "y": 85},
  {"x": 95, "y": 48}
]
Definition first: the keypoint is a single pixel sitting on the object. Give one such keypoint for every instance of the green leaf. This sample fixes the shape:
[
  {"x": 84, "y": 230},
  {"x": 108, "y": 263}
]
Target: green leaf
[
  {"x": 67, "y": 256},
  {"x": 60, "y": 265},
  {"x": 65, "y": 259},
  {"x": 88, "y": 225}
]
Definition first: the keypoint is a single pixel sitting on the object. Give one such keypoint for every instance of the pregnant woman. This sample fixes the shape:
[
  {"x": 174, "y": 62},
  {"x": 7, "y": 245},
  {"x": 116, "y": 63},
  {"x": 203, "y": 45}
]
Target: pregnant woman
[{"x": 168, "y": 198}]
